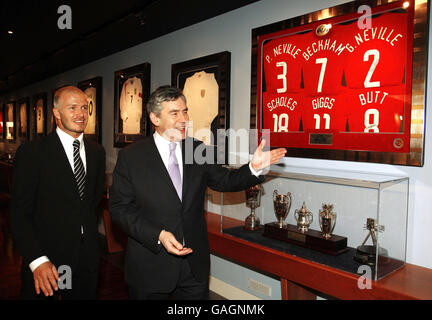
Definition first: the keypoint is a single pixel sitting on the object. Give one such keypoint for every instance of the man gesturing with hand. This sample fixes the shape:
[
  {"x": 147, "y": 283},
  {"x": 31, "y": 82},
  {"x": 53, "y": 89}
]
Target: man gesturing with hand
[{"x": 157, "y": 197}]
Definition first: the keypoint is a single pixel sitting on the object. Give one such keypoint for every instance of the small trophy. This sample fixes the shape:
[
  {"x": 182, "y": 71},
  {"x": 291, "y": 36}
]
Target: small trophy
[
  {"x": 253, "y": 201},
  {"x": 304, "y": 218},
  {"x": 366, "y": 254},
  {"x": 327, "y": 220},
  {"x": 282, "y": 205}
]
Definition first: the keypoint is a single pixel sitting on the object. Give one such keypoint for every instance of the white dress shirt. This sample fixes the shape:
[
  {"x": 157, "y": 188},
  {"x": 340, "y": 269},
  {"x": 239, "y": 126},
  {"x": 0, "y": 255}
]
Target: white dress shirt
[
  {"x": 67, "y": 143},
  {"x": 162, "y": 144}
]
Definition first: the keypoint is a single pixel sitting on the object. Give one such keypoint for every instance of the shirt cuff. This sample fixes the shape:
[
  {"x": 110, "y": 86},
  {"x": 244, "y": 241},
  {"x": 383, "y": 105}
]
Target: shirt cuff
[
  {"x": 255, "y": 173},
  {"x": 36, "y": 263}
]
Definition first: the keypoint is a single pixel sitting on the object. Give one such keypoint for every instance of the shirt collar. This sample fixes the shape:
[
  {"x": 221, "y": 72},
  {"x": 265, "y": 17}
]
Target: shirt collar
[
  {"x": 67, "y": 139},
  {"x": 159, "y": 140}
]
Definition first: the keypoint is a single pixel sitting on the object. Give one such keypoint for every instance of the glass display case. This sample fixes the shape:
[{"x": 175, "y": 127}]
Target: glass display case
[{"x": 342, "y": 219}]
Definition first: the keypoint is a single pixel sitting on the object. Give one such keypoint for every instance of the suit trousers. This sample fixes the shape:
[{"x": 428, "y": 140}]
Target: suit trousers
[
  {"x": 187, "y": 288},
  {"x": 84, "y": 281}
]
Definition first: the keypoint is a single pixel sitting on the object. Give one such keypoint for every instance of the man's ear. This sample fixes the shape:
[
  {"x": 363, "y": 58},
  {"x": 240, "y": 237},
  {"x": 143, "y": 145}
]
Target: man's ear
[
  {"x": 154, "y": 119},
  {"x": 56, "y": 113}
]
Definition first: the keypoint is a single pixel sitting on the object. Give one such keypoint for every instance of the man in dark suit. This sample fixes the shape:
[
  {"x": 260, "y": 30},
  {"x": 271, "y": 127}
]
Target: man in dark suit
[
  {"x": 157, "y": 197},
  {"x": 57, "y": 186}
]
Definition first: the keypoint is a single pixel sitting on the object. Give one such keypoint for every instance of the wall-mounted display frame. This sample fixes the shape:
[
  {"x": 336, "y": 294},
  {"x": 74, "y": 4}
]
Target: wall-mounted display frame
[
  {"x": 23, "y": 119},
  {"x": 93, "y": 89},
  {"x": 131, "y": 93},
  {"x": 39, "y": 110},
  {"x": 206, "y": 83},
  {"x": 339, "y": 84},
  {"x": 9, "y": 121},
  {"x": 2, "y": 131}
]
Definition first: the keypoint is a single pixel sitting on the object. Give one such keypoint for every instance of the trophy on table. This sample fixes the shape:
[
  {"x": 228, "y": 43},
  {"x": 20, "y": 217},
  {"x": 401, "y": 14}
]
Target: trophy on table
[
  {"x": 304, "y": 218},
  {"x": 366, "y": 254},
  {"x": 253, "y": 201},
  {"x": 282, "y": 205},
  {"x": 327, "y": 220}
]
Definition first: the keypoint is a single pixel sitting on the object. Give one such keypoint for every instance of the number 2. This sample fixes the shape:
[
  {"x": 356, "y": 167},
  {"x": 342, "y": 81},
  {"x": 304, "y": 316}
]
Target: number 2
[{"x": 376, "y": 55}]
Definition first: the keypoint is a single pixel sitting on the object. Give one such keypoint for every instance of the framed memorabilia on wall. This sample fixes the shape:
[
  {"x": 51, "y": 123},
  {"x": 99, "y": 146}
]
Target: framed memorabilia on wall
[
  {"x": 23, "y": 119},
  {"x": 93, "y": 89},
  {"x": 343, "y": 84},
  {"x": 9, "y": 121},
  {"x": 1, "y": 123},
  {"x": 39, "y": 121},
  {"x": 206, "y": 85},
  {"x": 131, "y": 92}
]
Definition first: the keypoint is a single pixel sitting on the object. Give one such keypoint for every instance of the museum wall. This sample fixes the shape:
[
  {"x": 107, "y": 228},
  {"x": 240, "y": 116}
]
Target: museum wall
[{"x": 232, "y": 32}]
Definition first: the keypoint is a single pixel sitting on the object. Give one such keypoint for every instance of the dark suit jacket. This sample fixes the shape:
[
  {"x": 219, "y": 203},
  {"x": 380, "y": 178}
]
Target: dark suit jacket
[
  {"x": 143, "y": 201},
  {"x": 46, "y": 211}
]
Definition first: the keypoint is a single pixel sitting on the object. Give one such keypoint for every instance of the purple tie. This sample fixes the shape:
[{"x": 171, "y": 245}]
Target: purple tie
[{"x": 174, "y": 170}]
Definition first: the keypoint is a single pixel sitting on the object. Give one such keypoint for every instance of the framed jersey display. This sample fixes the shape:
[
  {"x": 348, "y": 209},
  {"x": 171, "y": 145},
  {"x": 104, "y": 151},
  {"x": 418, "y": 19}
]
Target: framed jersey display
[
  {"x": 1, "y": 123},
  {"x": 93, "y": 89},
  {"x": 9, "y": 121},
  {"x": 39, "y": 121},
  {"x": 206, "y": 85},
  {"x": 131, "y": 92},
  {"x": 344, "y": 83},
  {"x": 23, "y": 119}
]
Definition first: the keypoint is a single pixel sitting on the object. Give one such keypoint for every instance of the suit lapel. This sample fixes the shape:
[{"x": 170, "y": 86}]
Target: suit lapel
[
  {"x": 62, "y": 163},
  {"x": 91, "y": 167},
  {"x": 187, "y": 168}
]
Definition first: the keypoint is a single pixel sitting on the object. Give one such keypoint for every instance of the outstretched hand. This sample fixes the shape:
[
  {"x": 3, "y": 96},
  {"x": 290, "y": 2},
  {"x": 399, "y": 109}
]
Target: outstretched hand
[{"x": 263, "y": 159}]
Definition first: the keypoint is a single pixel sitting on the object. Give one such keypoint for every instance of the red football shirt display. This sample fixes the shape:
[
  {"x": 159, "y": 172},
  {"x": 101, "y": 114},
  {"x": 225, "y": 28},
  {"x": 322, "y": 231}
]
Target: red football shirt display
[
  {"x": 327, "y": 112},
  {"x": 281, "y": 59},
  {"x": 379, "y": 56},
  {"x": 281, "y": 112},
  {"x": 323, "y": 60},
  {"x": 377, "y": 110},
  {"x": 328, "y": 84}
]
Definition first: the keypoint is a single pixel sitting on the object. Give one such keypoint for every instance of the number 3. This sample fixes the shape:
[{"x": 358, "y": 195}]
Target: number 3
[{"x": 282, "y": 76}]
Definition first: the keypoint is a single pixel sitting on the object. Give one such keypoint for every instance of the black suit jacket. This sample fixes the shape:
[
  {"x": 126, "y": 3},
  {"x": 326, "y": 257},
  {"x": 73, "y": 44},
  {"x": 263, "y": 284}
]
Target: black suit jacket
[
  {"x": 46, "y": 210},
  {"x": 143, "y": 201}
]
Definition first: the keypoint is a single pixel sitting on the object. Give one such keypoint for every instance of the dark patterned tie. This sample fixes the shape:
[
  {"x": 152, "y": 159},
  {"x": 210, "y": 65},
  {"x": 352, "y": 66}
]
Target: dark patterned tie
[{"x": 79, "y": 168}]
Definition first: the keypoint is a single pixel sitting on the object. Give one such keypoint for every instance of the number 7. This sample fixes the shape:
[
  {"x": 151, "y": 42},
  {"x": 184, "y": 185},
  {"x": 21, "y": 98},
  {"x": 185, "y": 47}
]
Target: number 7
[{"x": 323, "y": 62}]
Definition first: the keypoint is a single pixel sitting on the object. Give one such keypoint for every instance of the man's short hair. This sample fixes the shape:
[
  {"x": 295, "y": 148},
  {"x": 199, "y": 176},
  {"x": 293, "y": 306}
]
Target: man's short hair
[
  {"x": 162, "y": 94},
  {"x": 60, "y": 91}
]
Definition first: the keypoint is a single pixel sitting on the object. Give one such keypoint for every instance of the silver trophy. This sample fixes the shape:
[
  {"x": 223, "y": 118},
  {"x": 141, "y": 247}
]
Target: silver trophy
[
  {"x": 366, "y": 254},
  {"x": 327, "y": 220},
  {"x": 282, "y": 206},
  {"x": 304, "y": 218},
  {"x": 253, "y": 201}
]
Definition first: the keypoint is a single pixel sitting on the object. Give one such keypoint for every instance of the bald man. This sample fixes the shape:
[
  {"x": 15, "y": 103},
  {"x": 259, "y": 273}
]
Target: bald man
[{"x": 57, "y": 186}]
